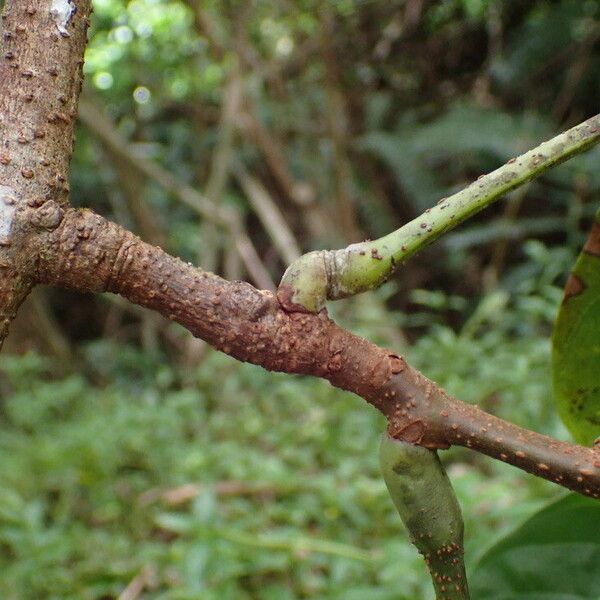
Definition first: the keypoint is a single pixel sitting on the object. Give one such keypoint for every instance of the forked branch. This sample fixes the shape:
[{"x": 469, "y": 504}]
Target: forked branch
[
  {"x": 88, "y": 253},
  {"x": 42, "y": 240}
]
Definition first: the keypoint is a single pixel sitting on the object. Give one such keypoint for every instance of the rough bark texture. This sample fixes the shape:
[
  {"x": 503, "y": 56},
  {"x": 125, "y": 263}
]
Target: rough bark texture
[
  {"x": 42, "y": 240},
  {"x": 40, "y": 78},
  {"x": 89, "y": 253}
]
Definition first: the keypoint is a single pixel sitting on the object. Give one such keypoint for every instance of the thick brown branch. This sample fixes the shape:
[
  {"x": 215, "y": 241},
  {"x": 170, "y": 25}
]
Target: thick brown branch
[
  {"x": 88, "y": 253},
  {"x": 40, "y": 80},
  {"x": 436, "y": 419}
]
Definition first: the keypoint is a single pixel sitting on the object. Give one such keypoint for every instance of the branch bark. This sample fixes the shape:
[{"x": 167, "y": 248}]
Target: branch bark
[
  {"x": 89, "y": 253},
  {"x": 41, "y": 75},
  {"x": 44, "y": 241}
]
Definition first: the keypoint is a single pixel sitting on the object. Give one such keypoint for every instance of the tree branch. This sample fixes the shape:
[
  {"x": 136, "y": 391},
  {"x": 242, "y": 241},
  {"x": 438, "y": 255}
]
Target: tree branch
[
  {"x": 269, "y": 214},
  {"x": 41, "y": 74},
  {"x": 333, "y": 274},
  {"x": 44, "y": 241},
  {"x": 88, "y": 253},
  {"x": 222, "y": 156}
]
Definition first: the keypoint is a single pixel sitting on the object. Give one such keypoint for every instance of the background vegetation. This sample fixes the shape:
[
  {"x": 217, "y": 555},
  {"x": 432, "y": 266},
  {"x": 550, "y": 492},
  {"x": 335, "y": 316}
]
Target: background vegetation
[{"x": 134, "y": 456}]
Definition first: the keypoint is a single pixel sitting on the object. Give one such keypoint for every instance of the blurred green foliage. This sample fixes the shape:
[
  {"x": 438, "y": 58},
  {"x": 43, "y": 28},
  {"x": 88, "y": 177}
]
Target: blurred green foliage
[{"x": 125, "y": 461}]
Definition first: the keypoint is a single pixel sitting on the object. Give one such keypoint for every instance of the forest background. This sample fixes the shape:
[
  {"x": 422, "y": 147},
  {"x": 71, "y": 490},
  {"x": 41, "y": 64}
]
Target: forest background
[{"x": 134, "y": 457}]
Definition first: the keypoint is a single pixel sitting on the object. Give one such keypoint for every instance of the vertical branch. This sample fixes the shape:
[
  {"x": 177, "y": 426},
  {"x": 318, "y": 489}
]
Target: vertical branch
[
  {"x": 41, "y": 74},
  {"x": 302, "y": 194},
  {"x": 132, "y": 185}
]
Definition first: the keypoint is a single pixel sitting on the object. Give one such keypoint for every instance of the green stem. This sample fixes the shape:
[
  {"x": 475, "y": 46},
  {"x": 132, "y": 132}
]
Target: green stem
[
  {"x": 334, "y": 274},
  {"x": 423, "y": 495}
]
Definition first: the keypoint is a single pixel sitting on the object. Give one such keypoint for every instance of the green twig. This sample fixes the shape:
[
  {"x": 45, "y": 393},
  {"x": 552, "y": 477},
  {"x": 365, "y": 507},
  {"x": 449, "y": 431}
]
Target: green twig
[
  {"x": 423, "y": 495},
  {"x": 334, "y": 274}
]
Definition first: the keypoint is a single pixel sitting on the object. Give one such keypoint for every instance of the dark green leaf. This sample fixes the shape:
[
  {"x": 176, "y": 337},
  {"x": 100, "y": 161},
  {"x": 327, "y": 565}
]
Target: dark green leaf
[{"x": 555, "y": 555}]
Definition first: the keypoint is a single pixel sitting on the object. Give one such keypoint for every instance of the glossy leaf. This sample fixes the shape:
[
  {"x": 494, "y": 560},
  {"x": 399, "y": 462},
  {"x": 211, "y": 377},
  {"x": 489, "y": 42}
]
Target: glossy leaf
[
  {"x": 554, "y": 555},
  {"x": 576, "y": 345}
]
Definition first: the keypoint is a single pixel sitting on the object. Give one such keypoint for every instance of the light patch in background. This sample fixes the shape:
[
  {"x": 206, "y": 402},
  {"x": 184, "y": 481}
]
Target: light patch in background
[
  {"x": 62, "y": 11},
  {"x": 142, "y": 95},
  {"x": 103, "y": 80},
  {"x": 123, "y": 34},
  {"x": 8, "y": 202},
  {"x": 284, "y": 46}
]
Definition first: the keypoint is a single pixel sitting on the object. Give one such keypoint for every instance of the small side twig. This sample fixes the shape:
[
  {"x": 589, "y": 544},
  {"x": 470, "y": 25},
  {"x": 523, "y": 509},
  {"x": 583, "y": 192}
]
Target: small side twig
[{"x": 330, "y": 275}]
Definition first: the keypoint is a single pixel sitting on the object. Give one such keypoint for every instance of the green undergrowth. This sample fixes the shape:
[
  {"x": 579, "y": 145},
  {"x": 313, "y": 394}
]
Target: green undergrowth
[
  {"x": 81, "y": 516},
  {"x": 288, "y": 501}
]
